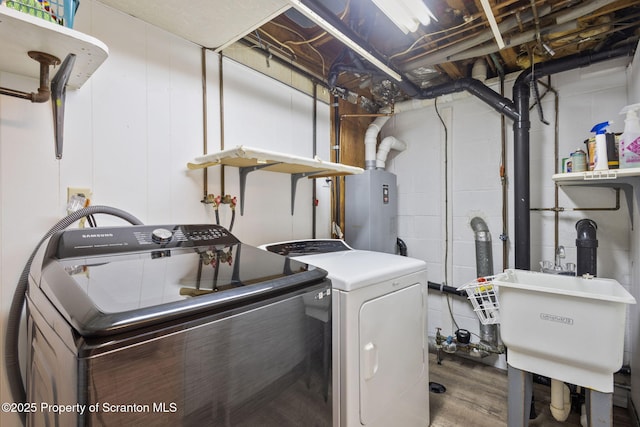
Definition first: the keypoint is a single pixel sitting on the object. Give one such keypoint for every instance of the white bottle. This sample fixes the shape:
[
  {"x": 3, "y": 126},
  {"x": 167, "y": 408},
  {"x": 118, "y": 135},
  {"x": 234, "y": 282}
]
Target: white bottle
[
  {"x": 601, "y": 161},
  {"x": 629, "y": 148}
]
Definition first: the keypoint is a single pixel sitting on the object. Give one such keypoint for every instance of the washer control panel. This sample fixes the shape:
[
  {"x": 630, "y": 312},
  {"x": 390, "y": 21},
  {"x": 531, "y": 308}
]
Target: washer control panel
[{"x": 113, "y": 240}]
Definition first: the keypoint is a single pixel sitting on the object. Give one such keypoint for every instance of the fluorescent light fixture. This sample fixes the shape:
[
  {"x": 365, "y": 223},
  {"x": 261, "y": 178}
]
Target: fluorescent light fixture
[
  {"x": 325, "y": 25},
  {"x": 492, "y": 22},
  {"x": 406, "y": 14}
]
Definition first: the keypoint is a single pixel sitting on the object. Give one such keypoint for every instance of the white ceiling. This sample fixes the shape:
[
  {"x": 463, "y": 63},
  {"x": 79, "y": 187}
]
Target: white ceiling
[{"x": 210, "y": 23}]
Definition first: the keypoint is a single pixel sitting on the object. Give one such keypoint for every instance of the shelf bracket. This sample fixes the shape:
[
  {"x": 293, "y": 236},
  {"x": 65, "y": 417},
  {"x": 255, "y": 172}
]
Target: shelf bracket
[
  {"x": 628, "y": 194},
  {"x": 295, "y": 177},
  {"x": 244, "y": 171},
  {"x": 58, "y": 95}
]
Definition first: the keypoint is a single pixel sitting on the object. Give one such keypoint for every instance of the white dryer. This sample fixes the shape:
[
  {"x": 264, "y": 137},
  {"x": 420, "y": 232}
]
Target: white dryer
[{"x": 379, "y": 325}]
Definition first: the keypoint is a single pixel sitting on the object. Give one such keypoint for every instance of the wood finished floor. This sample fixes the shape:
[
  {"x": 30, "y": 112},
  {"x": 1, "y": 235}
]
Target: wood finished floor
[{"x": 476, "y": 396}]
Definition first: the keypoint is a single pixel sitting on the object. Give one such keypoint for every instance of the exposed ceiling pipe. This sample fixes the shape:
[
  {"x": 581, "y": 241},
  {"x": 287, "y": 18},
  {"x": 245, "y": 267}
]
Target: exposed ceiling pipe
[
  {"x": 516, "y": 40},
  {"x": 565, "y": 21},
  {"x": 442, "y": 55}
]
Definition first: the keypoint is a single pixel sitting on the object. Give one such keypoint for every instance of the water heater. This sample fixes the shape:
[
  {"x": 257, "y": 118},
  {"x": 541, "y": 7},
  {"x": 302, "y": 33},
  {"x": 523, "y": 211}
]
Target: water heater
[{"x": 371, "y": 210}]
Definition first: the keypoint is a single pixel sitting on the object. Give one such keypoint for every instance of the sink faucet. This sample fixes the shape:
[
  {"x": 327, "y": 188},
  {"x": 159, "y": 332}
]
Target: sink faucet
[{"x": 560, "y": 255}]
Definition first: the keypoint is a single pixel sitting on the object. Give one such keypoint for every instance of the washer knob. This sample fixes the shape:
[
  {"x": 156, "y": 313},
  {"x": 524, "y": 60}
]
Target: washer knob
[{"x": 161, "y": 235}]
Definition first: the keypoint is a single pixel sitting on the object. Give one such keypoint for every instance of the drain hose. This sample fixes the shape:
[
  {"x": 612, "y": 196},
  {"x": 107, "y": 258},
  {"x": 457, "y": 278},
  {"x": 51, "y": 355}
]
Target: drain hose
[{"x": 11, "y": 356}]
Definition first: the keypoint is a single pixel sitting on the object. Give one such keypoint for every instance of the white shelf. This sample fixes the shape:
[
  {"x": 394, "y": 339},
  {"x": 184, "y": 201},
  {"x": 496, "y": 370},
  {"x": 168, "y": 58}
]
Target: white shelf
[
  {"x": 21, "y": 33},
  {"x": 623, "y": 179},
  {"x": 248, "y": 159},
  {"x": 610, "y": 176}
]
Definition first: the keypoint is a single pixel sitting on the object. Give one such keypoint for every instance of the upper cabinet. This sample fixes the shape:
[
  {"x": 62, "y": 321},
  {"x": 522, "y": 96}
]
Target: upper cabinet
[
  {"x": 21, "y": 33},
  {"x": 213, "y": 24}
]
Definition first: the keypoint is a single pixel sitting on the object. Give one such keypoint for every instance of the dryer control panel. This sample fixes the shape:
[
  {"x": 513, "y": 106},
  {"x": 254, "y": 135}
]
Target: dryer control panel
[{"x": 308, "y": 247}]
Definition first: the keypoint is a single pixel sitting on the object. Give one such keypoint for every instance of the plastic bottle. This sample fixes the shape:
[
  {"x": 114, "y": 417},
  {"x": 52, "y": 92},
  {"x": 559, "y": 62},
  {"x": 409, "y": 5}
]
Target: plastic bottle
[
  {"x": 629, "y": 147},
  {"x": 601, "y": 162}
]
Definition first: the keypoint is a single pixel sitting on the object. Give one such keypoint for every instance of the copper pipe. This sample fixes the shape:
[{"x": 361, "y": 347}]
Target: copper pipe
[{"x": 346, "y": 116}]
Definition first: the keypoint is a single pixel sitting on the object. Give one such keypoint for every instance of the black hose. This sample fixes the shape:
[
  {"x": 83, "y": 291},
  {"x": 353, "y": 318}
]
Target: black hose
[
  {"x": 11, "y": 352},
  {"x": 446, "y": 289},
  {"x": 402, "y": 247}
]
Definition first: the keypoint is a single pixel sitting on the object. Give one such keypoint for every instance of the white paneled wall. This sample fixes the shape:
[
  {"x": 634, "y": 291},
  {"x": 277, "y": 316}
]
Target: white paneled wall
[
  {"x": 586, "y": 97},
  {"x": 129, "y": 133}
]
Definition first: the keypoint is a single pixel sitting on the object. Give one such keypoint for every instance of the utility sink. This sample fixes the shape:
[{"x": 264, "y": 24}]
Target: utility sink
[{"x": 568, "y": 328}]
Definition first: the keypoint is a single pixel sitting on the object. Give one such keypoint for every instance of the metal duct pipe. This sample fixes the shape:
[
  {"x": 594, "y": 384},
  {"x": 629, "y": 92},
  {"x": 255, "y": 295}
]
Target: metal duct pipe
[
  {"x": 484, "y": 255},
  {"x": 521, "y": 127},
  {"x": 444, "y": 55},
  {"x": 587, "y": 244},
  {"x": 484, "y": 267}
]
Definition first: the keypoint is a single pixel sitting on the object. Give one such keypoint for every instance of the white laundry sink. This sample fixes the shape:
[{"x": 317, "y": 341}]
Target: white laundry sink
[{"x": 568, "y": 328}]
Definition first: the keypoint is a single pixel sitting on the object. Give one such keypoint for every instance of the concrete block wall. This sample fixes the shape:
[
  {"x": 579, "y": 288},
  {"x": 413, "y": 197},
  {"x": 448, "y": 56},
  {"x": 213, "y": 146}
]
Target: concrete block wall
[{"x": 448, "y": 176}]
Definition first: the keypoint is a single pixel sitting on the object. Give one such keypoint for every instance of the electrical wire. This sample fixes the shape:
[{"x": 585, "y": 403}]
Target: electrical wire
[{"x": 446, "y": 204}]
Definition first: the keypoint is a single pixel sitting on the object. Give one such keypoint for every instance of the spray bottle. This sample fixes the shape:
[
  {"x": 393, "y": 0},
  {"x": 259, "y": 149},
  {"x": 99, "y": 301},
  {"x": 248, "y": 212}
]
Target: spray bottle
[
  {"x": 601, "y": 162},
  {"x": 630, "y": 140}
]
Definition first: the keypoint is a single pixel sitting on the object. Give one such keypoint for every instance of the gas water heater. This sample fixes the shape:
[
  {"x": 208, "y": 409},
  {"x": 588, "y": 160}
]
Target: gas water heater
[{"x": 371, "y": 209}]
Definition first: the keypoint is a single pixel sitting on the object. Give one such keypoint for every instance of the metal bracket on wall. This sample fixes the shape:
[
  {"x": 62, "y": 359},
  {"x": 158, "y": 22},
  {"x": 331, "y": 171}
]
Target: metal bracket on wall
[
  {"x": 627, "y": 188},
  {"x": 54, "y": 90},
  {"x": 244, "y": 171},
  {"x": 295, "y": 177}
]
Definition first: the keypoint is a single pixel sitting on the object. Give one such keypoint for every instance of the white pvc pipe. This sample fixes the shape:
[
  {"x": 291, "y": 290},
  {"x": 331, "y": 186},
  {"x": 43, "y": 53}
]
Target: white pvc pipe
[
  {"x": 560, "y": 400},
  {"x": 371, "y": 140},
  {"x": 389, "y": 143}
]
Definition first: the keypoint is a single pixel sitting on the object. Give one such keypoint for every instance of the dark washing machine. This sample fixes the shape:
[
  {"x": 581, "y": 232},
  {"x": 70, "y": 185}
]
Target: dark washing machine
[{"x": 175, "y": 325}]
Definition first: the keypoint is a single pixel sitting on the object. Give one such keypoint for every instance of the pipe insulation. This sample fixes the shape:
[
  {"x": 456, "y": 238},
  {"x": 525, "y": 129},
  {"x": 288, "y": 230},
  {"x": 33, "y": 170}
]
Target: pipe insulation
[{"x": 11, "y": 349}]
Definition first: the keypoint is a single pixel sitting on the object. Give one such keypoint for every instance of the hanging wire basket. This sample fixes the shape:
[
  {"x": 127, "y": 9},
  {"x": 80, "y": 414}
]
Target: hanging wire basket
[{"x": 483, "y": 294}]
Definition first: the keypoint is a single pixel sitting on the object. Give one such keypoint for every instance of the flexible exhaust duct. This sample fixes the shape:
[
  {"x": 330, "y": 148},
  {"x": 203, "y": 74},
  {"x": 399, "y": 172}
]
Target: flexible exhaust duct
[{"x": 484, "y": 267}]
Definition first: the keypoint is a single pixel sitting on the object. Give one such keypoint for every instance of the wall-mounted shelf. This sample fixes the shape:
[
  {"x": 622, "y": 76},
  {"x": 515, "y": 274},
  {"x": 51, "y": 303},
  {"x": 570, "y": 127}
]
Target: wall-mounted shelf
[
  {"x": 21, "y": 33},
  {"x": 596, "y": 177},
  {"x": 248, "y": 160},
  {"x": 612, "y": 178}
]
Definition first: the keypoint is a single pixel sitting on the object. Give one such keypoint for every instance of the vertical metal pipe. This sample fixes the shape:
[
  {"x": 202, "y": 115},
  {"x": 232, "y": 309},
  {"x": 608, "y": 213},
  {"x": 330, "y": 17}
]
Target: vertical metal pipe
[
  {"x": 314, "y": 194},
  {"x": 336, "y": 147},
  {"x": 521, "y": 127},
  {"x": 205, "y": 141},
  {"x": 221, "y": 104}
]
